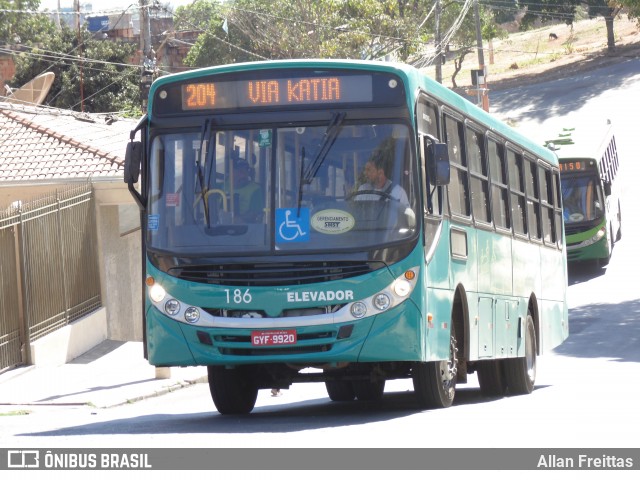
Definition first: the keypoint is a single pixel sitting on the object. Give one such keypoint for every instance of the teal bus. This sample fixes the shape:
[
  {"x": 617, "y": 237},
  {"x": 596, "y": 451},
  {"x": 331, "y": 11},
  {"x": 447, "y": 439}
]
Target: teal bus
[
  {"x": 589, "y": 163},
  {"x": 344, "y": 222}
]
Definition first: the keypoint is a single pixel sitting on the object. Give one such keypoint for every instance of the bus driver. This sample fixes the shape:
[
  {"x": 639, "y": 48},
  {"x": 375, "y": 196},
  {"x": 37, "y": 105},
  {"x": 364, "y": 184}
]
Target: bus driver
[{"x": 375, "y": 172}]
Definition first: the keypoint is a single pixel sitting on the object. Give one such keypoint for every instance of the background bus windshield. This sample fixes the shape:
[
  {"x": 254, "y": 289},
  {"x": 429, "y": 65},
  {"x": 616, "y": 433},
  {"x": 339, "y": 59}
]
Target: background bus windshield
[{"x": 582, "y": 198}]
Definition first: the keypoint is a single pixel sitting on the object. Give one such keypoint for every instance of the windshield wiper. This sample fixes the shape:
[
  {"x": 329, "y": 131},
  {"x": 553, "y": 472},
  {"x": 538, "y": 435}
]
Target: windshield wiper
[
  {"x": 330, "y": 135},
  {"x": 199, "y": 171},
  {"x": 302, "y": 152}
]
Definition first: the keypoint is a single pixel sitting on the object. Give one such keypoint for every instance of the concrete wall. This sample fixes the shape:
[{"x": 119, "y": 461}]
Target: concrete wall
[
  {"x": 120, "y": 262},
  {"x": 71, "y": 341},
  {"x": 120, "y": 273}
]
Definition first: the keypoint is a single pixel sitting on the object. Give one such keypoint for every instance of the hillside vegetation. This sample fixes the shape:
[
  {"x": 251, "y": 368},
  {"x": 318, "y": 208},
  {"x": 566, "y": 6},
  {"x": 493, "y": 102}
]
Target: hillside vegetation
[{"x": 536, "y": 55}]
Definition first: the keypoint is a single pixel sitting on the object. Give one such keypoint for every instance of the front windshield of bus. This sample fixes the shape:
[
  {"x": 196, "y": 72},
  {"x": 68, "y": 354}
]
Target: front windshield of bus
[
  {"x": 330, "y": 187},
  {"x": 582, "y": 199}
]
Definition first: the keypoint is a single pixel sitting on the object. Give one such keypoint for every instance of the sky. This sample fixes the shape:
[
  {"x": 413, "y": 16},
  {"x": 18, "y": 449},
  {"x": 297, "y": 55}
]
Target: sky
[{"x": 100, "y": 5}]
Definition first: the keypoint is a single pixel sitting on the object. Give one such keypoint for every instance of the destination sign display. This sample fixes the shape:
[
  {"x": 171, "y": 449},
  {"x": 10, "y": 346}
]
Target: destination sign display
[
  {"x": 567, "y": 166},
  {"x": 277, "y": 91}
]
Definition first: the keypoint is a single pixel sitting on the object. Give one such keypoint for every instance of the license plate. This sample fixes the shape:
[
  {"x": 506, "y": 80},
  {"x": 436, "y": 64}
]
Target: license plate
[{"x": 273, "y": 337}]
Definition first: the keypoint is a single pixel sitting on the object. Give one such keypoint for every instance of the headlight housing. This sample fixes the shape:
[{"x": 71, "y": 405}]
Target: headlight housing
[{"x": 392, "y": 295}]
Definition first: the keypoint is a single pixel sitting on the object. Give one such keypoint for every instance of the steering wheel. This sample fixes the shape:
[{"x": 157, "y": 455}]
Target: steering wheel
[{"x": 380, "y": 193}]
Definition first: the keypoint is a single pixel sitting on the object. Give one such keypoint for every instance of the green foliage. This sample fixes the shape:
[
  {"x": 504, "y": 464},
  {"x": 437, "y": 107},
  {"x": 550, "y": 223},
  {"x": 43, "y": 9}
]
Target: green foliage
[
  {"x": 90, "y": 74},
  {"x": 278, "y": 29},
  {"x": 550, "y": 10},
  {"x": 17, "y": 28},
  {"x": 632, "y": 7}
]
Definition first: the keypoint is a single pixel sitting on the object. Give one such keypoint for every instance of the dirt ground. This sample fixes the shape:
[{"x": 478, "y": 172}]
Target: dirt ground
[{"x": 537, "y": 55}]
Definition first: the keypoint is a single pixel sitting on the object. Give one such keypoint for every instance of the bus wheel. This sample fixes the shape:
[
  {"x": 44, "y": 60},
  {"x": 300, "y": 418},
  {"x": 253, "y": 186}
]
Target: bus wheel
[
  {"x": 340, "y": 390},
  {"x": 520, "y": 373},
  {"x": 368, "y": 390},
  {"x": 435, "y": 382},
  {"x": 233, "y": 391},
  {"x": 491, "y": 378}
]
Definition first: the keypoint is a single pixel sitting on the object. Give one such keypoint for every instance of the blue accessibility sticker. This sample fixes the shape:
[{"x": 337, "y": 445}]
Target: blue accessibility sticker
[{"x": 292, "y": 225}]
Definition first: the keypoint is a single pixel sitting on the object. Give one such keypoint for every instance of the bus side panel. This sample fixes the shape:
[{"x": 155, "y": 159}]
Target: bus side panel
[
  {"x": 396, "y": 336},
  {"x": 526, "y": 269},
  {"x": 167, "y": 345},
  {"x": 553, "y": 333},
  {"x": 495, "y": 274},
  {"x": 464, "y": 255},
  {"x": 439, "y": 304},
  {"x": 552, "y": 268}
]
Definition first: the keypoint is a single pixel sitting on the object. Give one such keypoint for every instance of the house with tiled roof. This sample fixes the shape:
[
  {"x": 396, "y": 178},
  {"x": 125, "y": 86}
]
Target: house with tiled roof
[{"x": 44, "y": 149}]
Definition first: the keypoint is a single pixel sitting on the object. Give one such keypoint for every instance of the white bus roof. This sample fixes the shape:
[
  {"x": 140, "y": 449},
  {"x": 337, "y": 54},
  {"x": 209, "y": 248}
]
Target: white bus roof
[{"x": 583, "y": 141}]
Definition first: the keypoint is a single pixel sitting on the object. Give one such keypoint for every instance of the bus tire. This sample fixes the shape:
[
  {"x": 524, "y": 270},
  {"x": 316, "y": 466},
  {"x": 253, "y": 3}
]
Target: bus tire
[
  {"x": 368, "y": 391},
  {"x": 491, "y": 378},
  {"x": 520, "y": 373},
  {"x": 340, "y": 390},
  {"x": 435, "y": 382},
  {"x": 232, "y": 389}
]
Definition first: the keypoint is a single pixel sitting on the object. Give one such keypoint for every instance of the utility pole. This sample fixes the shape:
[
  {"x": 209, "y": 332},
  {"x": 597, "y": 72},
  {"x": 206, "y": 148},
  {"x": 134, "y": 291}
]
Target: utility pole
[
  {"x": 148, "y": 54},
  {"x": 76, "y": 5},
  {"x": 438, "y": 43},
  {"x": 483, "y": 91}
]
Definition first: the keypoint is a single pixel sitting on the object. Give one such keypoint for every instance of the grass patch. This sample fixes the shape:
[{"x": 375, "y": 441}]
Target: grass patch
[{"x": 15, "y": 413}]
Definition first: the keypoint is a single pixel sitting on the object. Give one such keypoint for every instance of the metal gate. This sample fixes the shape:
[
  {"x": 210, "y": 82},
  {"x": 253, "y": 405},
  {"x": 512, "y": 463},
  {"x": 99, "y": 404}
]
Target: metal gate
[{"x": 49, "y": 269}]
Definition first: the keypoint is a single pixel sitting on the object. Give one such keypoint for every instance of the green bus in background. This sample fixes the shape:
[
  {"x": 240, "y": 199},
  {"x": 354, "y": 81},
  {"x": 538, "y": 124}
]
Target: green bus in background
[
  {"x": 589, "y": 166},
  {"x": 343, "y": 222}
]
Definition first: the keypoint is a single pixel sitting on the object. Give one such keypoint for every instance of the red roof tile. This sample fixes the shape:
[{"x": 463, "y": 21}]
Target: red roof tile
[{"x": 43, "y": 144}]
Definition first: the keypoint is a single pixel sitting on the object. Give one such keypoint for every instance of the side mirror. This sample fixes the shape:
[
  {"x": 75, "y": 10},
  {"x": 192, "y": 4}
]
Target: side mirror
[
  {"x": 132, "y": 161},
  {"x": 607, "y": 188},
  {"x": 438, "y": 166}
]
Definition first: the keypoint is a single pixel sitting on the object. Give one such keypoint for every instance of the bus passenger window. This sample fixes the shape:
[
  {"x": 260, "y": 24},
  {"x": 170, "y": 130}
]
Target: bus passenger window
[
  {"x": 458, "y": 187},
  {"x": 478, "y": 175},
  {"x": 516, "y": 184},
  {"x": 499, "y": 191},
  {"x": 533, "y": 199}
]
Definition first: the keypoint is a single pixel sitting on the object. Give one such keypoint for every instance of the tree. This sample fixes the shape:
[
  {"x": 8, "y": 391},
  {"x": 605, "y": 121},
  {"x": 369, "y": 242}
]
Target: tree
[
  {"x": 632, "y": 7},
  {"x": 609, "y": 10},
  {"x": 18, "y": 27},
  {"x": 274, "y": 29},
  {"x": 107, "y": 83},
  {"x": 565, "y": 10}
]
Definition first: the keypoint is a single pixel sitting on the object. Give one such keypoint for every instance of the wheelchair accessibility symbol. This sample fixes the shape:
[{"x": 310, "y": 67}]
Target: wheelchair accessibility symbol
[{"x": 290, "y": 227}]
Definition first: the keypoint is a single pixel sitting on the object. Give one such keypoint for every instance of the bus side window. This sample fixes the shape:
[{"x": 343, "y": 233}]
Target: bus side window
[
  {"x": 459, "y": 186},
  {"x": 428, "y": 122},
  {"x": 546, "y": 195},
  {"x": 533, "y": 198},
  {"x": 499, "y": 185},
  {"x": 516, "y": 184},
  {"x": 557, "y": 204},
  {"x": 478, "y": 173}
]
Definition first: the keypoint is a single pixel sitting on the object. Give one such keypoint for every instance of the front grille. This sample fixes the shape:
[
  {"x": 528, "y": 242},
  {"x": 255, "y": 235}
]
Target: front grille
[
  {"x": 263, "y": 352},
  {"x": 568, "y": 230},
  {"x": 273, "y": 274}
]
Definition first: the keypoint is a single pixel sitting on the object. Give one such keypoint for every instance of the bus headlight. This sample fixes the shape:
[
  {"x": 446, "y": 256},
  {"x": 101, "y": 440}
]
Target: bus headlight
[
  {"x": 157, "y": 293},
  {"x": 381, "y": 301},
  {"x": 402, "y": 287},
  {"x": 391, "y": 296},
  {"x": 358, "y": 309},
  {"x": 599, "y": 234},
  {"x": 172, "y": 307},
  {"x": 192, "y": 314}
]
